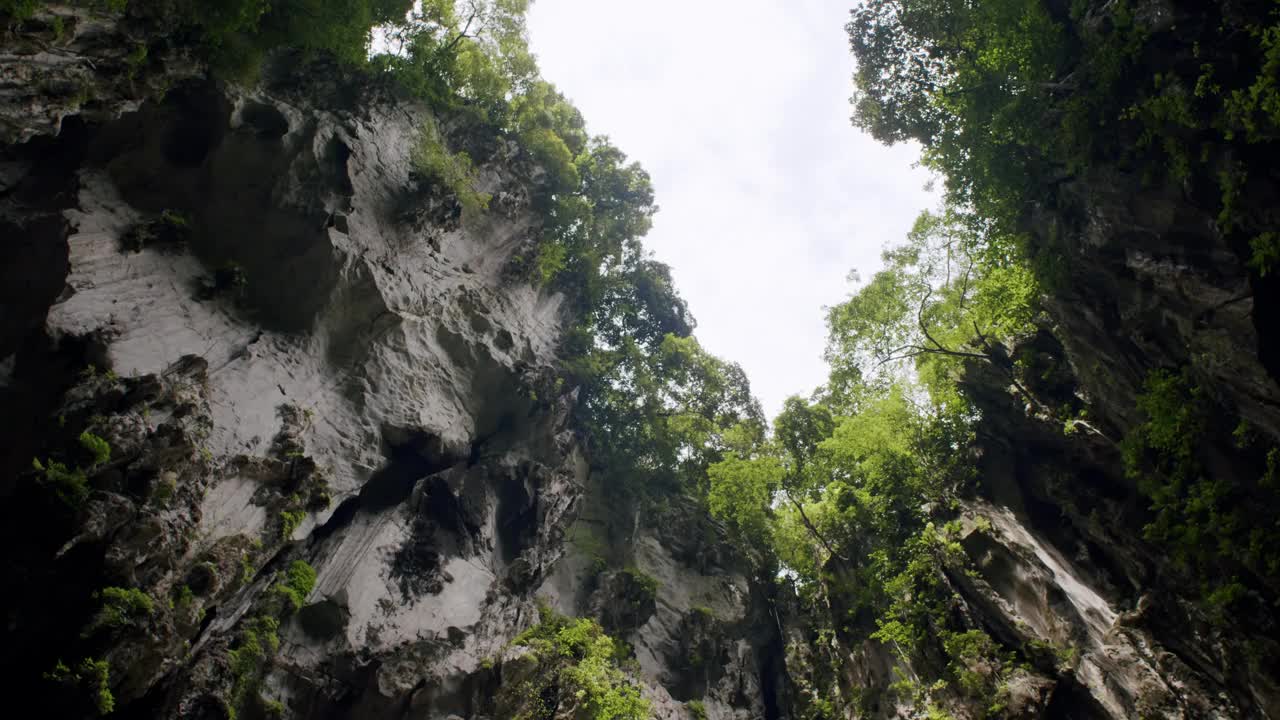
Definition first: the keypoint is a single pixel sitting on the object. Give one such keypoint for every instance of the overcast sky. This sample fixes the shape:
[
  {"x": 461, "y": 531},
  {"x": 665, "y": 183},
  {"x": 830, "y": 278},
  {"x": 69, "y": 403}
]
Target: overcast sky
[{"x": 769, "y": 197}]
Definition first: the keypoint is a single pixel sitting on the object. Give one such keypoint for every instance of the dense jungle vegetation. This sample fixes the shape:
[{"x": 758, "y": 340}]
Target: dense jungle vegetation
[{"x": 854, "y": 491}]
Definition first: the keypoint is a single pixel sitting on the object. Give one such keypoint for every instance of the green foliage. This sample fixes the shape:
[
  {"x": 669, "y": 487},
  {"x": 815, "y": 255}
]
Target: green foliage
[
  {"x": 697, "y": 709},
  {"x": 236, "y": 34},
  {"x": 945, "y": 297},
  {"x": 162, "y": 491},
  {"x": 258, "y": 643},
  {"x": 247, "y": 569},
  {"x": 433, "y": 163},
  {"x": 551, "y": 260},
  {"x": 967, "y": 81},
  {"x": 273, "y": 708},
  {"x": 853, "y": 493},
  {"x": 183, "y": 598},
  {"x": 659, "y": 410},
  {"x": 299, "y": 581},
  {"x": 646, "y": 585},
  {"x": 174, "y": 219},
  {"x": 1011, "y": 98},
  {"x": 120, "y": 607},
  {"x": 1255, "y": 109},
  {"x": 742, "y": 491},
  {"x": 259, "y": 639},
  {"x": 290, "y": 521},
  {"x": 99, "y": 450},
  {"x": 70, "y": 485},
  {"x": 579, "y": 661},
  {"x": 1265, "y": 253},
  {"x": 1206, "y": 520},
  {"x": 705, "y": 614},
  {"x": 90, "y": 680},
  {"x": 19, "y": 9}
]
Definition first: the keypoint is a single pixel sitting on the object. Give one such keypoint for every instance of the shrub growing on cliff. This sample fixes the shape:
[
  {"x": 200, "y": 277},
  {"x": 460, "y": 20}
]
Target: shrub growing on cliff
[
  {"x": 89, "y": 684},
  {"x": 120, "y": 607},
  {"x": 1208, "y": 521},
  {"x": 580, "y": 664},
  {"x": 70, "y": 485},
  {"x": 299, "y": 581},
  {"x": 257, "y": 644},
  {"x": 433, "y": 163},
  {"x": 99, "y": 450}
]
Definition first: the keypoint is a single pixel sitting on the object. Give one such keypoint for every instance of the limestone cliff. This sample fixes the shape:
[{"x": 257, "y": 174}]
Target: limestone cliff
[{"x": 296, "y": 349}]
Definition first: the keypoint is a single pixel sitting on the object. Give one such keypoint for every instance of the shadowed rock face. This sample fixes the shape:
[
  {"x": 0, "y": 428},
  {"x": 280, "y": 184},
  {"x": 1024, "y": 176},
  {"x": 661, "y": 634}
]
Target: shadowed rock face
[
  {"x": 297, "y": 351},
  {"x": 290, "y": 340}
]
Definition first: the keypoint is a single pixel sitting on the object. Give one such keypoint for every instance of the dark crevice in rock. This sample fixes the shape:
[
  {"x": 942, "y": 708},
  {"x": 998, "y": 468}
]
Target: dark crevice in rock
[
  {"x": 47, "y": 167},
  {"x": 341, "y": 517},
  {"x": 440, "y": 529},
  {"x": 772, "y": 677},
  {"x": 339, "y": 154},
  {"x": 407, "y": 463},
  {"x": 188, "y": 143},
  {"x": 211, "y": 613},
  {"x": 1266, "y": 320},
  {"x": 268, "y": 122},
  {"x": 517, "y": 519},
  {"x": 1072, "y": 701}
]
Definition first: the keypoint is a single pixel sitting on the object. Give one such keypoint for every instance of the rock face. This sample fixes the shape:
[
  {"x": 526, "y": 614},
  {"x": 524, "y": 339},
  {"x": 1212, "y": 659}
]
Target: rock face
[
  {"x": 1106, "y": 622},
  {"x": 297, "y": 349}
]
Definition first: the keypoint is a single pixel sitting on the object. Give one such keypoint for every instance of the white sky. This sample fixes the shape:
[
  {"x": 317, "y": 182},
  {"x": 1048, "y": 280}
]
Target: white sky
[{"x": 769, "y": 197}]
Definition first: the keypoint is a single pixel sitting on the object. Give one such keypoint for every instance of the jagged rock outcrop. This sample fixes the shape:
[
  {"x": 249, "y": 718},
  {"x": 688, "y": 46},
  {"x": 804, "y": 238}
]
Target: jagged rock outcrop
[
  {"x": 702, "y": 626},
  {"x": 297, "y": 349}
]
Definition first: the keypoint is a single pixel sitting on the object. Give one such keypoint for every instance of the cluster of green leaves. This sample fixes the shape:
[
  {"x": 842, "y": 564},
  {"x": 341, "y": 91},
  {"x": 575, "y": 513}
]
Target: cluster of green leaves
[
  {"x": 645, "y": 585},
  {"x": 291, "y": 520},
  {"x": 258, "y": 643},
  {"x": 236, "y": 34},
  {"x": 580, "y": 664},
  {"x": 70, "y": 483},
  {"x": 845, "y": 496},
  {"x": 89, "y": 683},
  {"x": 1011, "y": 97},
  {"x": 299, "y": 581},
  {"x": 258, "y": 638},
  {"x": 658, "y": 409},
  {"x": 18, "y": 9},
  {"x": 183, "y": 598},
  {"x": 1208, "y": 520},
  {"x": 434, "y": 163},
  {"x": 952, "y": 293},
  {"x": 120, "y": 607},
  {"x": 967, "y": 81}
]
